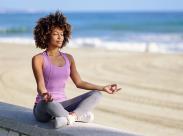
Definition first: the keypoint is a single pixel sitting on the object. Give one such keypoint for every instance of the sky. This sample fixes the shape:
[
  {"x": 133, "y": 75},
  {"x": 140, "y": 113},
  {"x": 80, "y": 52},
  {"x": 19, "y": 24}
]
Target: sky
[{"x": 92, "y": 5}]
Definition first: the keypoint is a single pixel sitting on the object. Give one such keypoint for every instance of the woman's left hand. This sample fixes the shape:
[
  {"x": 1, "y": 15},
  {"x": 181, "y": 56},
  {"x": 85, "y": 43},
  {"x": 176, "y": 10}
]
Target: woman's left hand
[{"x": 111, "y": 89}]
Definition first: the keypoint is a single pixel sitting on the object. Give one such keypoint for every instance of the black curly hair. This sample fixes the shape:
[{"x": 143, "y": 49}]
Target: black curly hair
[{"x": 45, "y": 25}]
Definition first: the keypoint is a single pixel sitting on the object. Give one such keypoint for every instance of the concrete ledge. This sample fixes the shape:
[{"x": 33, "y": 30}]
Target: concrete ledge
[{"x": 15, "y": 119}]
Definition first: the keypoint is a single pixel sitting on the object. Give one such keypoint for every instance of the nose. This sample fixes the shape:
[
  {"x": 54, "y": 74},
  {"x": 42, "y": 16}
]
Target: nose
[{"x": 60, "y": 36}]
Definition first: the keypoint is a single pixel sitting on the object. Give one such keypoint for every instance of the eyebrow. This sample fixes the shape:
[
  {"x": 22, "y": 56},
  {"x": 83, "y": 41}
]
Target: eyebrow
[{"x": 58, "y": 32}]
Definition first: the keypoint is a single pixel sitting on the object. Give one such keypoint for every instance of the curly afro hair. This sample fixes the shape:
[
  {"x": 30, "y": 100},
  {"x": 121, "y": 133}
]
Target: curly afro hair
[{"x": 45, "y": 25}]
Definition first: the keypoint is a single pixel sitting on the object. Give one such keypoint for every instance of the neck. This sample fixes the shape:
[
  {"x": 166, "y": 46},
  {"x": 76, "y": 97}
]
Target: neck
[{"x": 53, "y": 51}]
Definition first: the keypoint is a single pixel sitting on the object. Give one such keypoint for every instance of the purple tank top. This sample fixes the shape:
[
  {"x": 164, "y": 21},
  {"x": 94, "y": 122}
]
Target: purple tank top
[{"x": 55, "y": 77}]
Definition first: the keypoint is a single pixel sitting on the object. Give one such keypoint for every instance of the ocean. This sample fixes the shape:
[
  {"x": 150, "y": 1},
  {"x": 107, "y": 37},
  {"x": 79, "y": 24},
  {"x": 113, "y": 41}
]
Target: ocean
[{"x": 126, "y": 31}]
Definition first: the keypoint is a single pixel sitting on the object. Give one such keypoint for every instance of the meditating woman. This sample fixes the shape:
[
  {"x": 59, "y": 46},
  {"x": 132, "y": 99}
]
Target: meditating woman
[{"x": 52, "y": 68}]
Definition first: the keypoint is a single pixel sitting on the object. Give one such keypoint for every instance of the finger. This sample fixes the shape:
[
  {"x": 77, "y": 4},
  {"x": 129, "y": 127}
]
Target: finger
[
  {"x": 118, "y": 89},
  {"x": 50, "y": 96},
  {"x": 114, "y": 91},
  {"x": 109, "y": 91},
  {"x": 46, "y": 100},
  {"x": 50, "y": 100},
  {"x": 114, "y": 85},
  {"x": 45, "y": 97}
]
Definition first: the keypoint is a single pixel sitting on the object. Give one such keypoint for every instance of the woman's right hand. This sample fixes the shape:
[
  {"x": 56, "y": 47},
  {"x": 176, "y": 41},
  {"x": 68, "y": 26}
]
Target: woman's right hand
[{"x": 47, "y": 97}]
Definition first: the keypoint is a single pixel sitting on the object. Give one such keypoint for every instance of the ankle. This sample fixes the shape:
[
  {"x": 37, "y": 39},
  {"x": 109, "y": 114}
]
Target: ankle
[
  {"x": 70, "y": 119},
  {"x": 73, "y": 114}
]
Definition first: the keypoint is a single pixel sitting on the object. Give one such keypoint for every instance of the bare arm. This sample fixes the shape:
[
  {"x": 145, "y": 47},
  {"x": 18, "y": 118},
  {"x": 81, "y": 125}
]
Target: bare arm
[
  {"x": 86, "y": 85},
  {"x": 37, "y": 67}
]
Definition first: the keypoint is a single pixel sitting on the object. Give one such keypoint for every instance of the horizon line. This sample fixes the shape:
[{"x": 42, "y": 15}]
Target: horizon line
[{"x": 81, "y": 11}]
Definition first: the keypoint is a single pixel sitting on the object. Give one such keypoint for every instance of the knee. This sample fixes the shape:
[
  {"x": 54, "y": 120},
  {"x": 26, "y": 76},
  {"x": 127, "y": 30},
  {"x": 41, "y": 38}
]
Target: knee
[{"x": 52, "y": 105}]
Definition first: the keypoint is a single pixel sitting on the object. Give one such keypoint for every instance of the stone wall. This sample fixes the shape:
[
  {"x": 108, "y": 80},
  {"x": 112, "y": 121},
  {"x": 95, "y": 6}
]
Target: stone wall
[
  {"x": 9, "y": 132},
  {"x": 19, "y": 121}
]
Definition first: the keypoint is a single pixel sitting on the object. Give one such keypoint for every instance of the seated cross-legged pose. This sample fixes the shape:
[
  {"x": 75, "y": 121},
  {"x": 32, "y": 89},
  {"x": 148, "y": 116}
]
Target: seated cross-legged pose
[{"x": 51, "y": 70}]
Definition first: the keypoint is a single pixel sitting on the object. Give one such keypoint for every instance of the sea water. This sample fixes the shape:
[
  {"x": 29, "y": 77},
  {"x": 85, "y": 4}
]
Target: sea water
[{"x": 128, "y": 31}]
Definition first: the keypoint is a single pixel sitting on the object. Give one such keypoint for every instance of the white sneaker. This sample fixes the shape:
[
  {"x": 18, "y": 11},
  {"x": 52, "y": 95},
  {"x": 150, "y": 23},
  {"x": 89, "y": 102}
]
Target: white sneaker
[
  {"x": 60, "y": 122},
  {"x": 86, "y": 117},
  {"x": 71, "y": 119}
]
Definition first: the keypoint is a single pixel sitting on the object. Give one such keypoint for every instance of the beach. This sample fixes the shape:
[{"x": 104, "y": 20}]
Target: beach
[{"x": 150, "y": 102}]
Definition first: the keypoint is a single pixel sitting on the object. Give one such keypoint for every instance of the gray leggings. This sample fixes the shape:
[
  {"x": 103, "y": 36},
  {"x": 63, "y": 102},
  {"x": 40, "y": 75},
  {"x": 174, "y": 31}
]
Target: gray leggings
[{"x": 44, "y": 112}]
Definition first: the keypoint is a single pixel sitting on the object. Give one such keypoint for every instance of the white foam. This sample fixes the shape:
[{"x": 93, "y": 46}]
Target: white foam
[
  {"x": 17, "y": 40},
  {"x": 135, "y": 46}
]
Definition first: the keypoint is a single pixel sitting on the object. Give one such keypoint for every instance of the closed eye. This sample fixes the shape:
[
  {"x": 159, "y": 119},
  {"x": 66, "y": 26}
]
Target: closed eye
[{"x": 61, "y": 34}]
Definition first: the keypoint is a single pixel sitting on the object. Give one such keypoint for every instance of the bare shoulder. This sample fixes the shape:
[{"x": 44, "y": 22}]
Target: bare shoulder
[
  {"x": 70, "y": 57},
  {"x": 37, "y": 58}
]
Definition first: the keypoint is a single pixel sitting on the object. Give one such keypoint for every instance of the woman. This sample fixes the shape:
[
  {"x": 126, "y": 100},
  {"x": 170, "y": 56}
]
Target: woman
[{"x": 52, "y": 68}]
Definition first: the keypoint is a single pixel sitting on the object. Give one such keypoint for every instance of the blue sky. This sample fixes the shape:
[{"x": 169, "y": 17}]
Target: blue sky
[{"x": 92, "y": 5}]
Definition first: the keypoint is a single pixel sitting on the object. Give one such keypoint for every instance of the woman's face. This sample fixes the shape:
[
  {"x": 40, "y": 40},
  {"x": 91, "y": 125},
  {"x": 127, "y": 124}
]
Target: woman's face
[{"x": 57, "y": 37}]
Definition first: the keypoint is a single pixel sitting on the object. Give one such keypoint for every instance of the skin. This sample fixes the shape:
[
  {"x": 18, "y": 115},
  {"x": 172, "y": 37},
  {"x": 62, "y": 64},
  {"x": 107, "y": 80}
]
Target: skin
[{"x": 54, "y": 45}]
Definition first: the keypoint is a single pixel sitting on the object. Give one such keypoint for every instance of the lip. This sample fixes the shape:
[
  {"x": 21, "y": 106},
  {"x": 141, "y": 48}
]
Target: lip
[{"x": 59, "y": 41}]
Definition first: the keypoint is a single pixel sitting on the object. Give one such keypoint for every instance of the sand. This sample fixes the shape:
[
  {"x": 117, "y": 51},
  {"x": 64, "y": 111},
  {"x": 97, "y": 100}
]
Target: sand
[{"x": 150, "y": 103}]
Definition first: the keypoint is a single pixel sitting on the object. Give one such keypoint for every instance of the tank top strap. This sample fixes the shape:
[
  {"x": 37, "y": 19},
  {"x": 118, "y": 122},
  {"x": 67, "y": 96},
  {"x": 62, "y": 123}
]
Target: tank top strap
[
  {"x": 45, "y": 58},
  {"x": 44, "y": 53},
  {"x": 46, "y": 66},
  {"x": 66, "y": 58}
]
